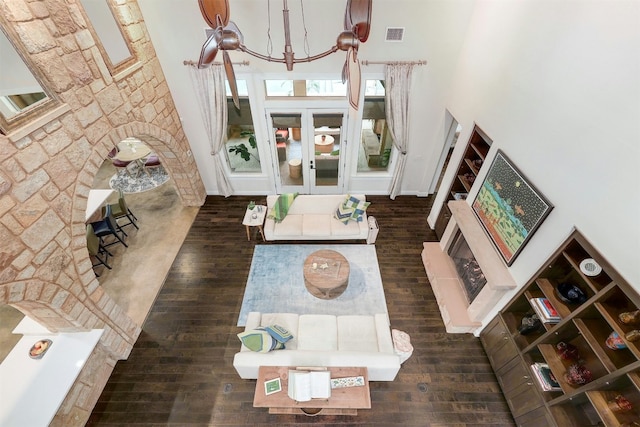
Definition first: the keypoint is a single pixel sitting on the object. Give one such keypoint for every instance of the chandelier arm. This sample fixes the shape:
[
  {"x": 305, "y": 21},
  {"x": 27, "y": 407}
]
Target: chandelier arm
[{"x": 269, "y": 58}]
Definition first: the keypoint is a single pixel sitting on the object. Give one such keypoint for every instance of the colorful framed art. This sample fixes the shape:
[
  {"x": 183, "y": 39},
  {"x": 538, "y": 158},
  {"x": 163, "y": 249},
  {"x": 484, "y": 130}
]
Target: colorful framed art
[{"x": 509, "y": 208}]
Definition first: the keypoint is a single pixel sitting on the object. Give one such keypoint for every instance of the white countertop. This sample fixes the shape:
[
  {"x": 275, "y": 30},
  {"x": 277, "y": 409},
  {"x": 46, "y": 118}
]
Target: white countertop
[
  {"x": 95, "y": 201},
  {"x": 32, "y": 390}
]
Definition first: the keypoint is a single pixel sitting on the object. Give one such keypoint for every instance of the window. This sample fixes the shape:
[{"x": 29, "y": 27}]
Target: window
[
  {"x": 108, "y": 34},
  {"x": 376, "y": 142},
  {"x": 242, "y": 146},
  {"x": 306, "y": 88},
  {"x": 23, "y": 97}
]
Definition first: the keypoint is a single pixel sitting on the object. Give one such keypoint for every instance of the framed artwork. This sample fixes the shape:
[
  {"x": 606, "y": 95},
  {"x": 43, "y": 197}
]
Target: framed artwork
[{"x": 509, "y": 208}]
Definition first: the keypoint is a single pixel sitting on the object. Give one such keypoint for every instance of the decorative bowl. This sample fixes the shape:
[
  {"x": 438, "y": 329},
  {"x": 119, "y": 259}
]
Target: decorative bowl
[{"x": 570, "y": 293}]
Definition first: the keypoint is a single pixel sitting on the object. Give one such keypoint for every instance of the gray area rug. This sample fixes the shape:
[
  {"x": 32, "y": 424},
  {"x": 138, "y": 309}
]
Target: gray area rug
[
  {"x": 276, "y": 283},
  {"x": 137, "y": 184}
]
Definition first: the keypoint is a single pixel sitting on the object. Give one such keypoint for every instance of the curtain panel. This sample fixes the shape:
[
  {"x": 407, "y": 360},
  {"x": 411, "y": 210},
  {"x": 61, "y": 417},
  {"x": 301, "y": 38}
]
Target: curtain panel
[
  {"x": 208, "y": 84},
  {"x": 398, "y": 89}
]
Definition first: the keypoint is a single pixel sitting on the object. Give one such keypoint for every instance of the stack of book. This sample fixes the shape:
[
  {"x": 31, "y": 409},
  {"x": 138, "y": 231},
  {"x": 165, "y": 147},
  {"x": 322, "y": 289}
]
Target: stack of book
[
  {"x": 545, "y": 377},
  {"x": 545, "y": 310}
]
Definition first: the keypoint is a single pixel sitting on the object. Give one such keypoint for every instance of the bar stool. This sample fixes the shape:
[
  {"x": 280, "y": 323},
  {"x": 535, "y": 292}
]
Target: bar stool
[{"x": 108, "y": 226}]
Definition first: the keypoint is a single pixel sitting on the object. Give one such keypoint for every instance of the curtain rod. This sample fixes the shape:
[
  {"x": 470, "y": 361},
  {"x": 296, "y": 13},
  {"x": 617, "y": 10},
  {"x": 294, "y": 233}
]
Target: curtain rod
[
  {"x": 195, "y": 63},
  {"x": 421, "y": 62}
]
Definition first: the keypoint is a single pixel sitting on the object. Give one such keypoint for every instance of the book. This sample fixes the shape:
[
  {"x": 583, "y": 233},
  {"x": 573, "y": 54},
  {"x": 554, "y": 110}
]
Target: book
[
  {"x": 272, "y": 386},
  {"x": 545, "y": 311},
  {"x": 307, "y": 385},
  {"x": 545, "y": 377}
]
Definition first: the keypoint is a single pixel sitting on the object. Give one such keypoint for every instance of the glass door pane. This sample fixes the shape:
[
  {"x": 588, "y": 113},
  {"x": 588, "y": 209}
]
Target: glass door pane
[
  {"x": 328, "y": 134},
  {"x": 286, "y": 129}
]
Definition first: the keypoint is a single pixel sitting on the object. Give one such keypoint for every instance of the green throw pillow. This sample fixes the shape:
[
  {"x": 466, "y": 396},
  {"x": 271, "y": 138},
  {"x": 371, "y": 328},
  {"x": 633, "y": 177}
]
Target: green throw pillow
[
  {"x": 343, "y": 214},
  {"x": 259, "y": 340},
  {"x": 358, "y": 206},
  {"x": 281, "y": 207},
  {"x": 279, "y": 333}
]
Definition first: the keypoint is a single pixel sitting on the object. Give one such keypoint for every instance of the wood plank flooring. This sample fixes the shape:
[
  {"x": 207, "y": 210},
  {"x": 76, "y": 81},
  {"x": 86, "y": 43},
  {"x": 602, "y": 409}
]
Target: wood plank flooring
[{"x": 180, "y": 371}]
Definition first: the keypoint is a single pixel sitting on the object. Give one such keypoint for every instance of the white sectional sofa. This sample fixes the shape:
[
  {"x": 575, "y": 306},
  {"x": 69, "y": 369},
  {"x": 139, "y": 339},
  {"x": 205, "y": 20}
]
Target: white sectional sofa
[
  {"x": 310, "y": 217},
  {"x": 325, "y": 340}
]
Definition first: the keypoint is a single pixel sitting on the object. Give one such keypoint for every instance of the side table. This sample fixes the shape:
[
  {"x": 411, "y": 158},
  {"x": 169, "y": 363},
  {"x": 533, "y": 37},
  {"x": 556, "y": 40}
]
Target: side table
[{"x": 255, "y": 218}]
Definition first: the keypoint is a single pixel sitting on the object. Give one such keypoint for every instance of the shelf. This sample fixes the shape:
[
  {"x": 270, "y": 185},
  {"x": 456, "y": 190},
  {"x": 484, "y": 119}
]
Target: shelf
[{"x": 585, "y": 326}]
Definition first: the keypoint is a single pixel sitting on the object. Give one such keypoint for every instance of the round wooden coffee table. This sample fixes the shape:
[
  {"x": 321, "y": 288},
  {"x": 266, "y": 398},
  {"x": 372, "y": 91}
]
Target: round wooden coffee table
[{"x": 326, "y": 274}]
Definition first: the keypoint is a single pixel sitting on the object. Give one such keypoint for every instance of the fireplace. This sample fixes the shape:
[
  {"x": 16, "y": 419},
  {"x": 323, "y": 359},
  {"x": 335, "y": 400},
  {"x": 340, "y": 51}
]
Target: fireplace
[
  {"x": 469, "y": 271},
  {"x": 464, "y": 307}
]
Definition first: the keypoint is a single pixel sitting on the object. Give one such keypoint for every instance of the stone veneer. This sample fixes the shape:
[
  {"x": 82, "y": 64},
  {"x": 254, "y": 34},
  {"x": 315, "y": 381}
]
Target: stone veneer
[{"x": 47, "y": 169}]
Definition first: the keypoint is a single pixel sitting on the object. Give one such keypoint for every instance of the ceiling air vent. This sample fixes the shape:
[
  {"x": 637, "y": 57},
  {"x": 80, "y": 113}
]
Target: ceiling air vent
[{"x": 394, "y": 34}]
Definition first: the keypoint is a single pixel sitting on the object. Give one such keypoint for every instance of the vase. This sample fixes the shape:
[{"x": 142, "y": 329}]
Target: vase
[
  {"x": 620, "y": 404},
  {"x": 567, "y": 351},
  {"x": 615, "y": 342},
  {"x": 577, "y": 375},
  {"x": 629, "y": 317}
]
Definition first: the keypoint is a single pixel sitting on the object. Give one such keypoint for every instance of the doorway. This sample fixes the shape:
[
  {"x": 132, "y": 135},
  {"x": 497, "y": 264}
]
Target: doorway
[{"x": 308, "y": 149}]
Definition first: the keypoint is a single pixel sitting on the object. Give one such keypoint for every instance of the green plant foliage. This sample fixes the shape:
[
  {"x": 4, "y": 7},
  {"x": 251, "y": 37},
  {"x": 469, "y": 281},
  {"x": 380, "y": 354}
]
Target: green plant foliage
[{"x": 241, "y": 149}]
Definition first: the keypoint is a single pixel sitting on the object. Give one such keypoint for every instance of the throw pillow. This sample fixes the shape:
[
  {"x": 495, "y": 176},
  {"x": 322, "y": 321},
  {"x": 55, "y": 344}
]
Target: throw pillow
[
  {"x": 281, "y": 206},
  {"x": 279, "y": 333},
  {"x": 343, "y": 214},
  {"x": 259, "y": 340},
  {"x": 359, "y": 207}
]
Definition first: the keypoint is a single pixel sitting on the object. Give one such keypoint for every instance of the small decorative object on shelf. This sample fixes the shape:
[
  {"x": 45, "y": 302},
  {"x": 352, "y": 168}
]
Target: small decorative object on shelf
[
  {"x": 567, "y": 351},
  {"x": 632, "y": 336},
  {"x": 38, "y": 350},
  {"x": 251, "y": 205},
  {"x": 590, "y": 267},
  {"x": 620, "y": 404},
  {"x": 570, "y": 293},
  {"x": 577, "y": 375},
  {"x": 615, "y": 342},
  {"x": 629, "y": 317},
  {"x": 530, "y": 323}
]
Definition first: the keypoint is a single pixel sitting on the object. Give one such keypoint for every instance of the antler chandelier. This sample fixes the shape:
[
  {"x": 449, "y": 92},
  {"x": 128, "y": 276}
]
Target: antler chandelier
[{"x": 226, "y": 36}]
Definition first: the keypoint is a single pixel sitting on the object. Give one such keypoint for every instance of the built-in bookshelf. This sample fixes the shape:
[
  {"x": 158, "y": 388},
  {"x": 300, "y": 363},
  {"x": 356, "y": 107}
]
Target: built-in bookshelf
[
  {"x": 466, "y": 173},
  {"x": 589, "y": 351}
]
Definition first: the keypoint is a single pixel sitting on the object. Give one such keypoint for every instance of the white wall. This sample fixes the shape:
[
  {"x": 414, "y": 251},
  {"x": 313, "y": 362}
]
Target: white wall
[
  {"x": 434, "y": 31},
  {"x": 556, "y": 85}
]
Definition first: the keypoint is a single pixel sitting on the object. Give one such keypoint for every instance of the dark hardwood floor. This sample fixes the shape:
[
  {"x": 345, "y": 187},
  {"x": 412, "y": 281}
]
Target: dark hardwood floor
[{"x": 180, "y": 371}]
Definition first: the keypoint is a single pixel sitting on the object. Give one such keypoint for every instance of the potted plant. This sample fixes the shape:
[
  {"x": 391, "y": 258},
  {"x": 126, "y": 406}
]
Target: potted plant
[{"x": 242, "y": 150}]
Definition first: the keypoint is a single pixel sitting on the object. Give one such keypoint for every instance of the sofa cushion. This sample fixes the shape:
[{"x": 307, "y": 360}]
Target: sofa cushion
[
  {"x": 259, "y": 340},
  {"x": 317, "y": 332},
  {"x": 357, "y": 333},
  {"x": 316, "y": 225},
  {"x": 351, "y": 228},
  {"x": 359, "y": 206},
  {"x": 290, "y": 226},
  {"x": 281, "y": 206}
]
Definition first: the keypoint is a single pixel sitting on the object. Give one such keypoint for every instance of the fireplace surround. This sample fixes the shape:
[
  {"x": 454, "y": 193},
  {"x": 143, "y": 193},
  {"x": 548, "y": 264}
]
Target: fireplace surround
[{"x": 460, "y": 315}]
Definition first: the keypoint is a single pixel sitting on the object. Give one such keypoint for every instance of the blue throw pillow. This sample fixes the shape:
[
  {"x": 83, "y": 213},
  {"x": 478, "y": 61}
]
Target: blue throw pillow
[
  {"x": 359, "y": 207},
  {"x": 279, "y": 333},
  {"x": 343, "y": 214}
]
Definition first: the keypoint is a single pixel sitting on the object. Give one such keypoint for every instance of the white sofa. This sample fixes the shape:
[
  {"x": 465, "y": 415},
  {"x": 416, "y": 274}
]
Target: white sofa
[
  {"x": 325, "y": 340},
  {"x": 310, "y": 217}
]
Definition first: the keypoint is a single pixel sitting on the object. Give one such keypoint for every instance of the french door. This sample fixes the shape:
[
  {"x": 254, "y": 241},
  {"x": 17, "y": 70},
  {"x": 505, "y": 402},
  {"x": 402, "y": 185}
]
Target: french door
[{"x": 308, "y": 149}]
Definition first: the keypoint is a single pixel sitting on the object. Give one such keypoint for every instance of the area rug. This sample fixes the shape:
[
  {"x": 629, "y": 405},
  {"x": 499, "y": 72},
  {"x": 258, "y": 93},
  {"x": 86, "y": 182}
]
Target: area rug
[
  {"x": 143, "y": 182},
  {"x": 276, "y": 283}
]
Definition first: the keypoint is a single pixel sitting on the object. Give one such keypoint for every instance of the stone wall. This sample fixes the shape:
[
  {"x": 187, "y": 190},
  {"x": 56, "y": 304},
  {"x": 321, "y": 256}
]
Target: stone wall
[{"x": 47, "y": 169}]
